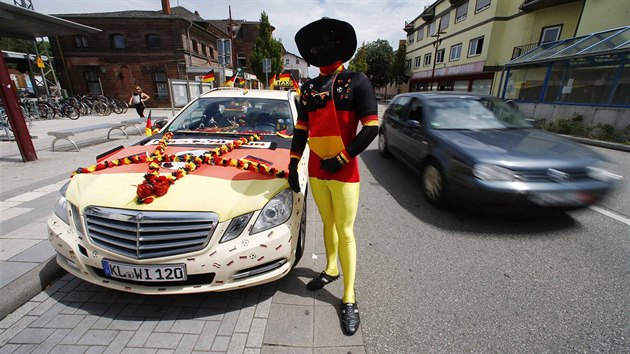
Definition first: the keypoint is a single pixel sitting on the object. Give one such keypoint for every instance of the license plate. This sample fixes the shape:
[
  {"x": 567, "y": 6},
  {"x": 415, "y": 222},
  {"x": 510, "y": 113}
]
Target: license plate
[
  {"x": 558, "y": 198},
  {"x": 147, "y": 273}
]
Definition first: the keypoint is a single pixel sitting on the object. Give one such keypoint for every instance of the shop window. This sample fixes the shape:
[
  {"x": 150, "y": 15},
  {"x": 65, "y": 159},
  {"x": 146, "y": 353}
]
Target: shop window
[
  {"x": 420, "y": 34},
  {"x": 427, "y": 59},
  {"x": 439, "y": 56},
  {"x": 475, "y": 47},
  {"x": 161, "y": 84},
  {"x": 444, "y": 21},
  {"x": 482, "y": 5},
  {"x": 153, "y": 41},
  {"x": 461, "y": 12},
  {"x": 92, "y": 82},
  {"x": 416, "y": 62},
  {"x": 623, "y": 87},
  {"x": 81, "y": 41},
  {"x": 526, "y": 84},
  {"x": 550, "y": 34},
  {"x": 481, "y": 87},
  {"x": 587, "y": 81},
  {"x": 461, "y": 86},
  {"x": 456, "y": 52},
  {"x": 118, "y": 41}
]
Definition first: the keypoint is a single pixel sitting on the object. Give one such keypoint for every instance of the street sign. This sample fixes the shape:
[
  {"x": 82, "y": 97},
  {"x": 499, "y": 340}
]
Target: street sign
[
  {"x": 266, "y": 65},
  {"x": 224, "y": 47}
]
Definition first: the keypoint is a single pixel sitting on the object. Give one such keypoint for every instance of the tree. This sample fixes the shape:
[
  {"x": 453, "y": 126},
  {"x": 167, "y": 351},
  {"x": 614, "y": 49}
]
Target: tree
[
  {"x": 266, "y": 47},
  {"x": 23, "y": 46},
  {"x": 399, "y": 68},
  {"x": 359, "y": 62},
  {"x": 379, "y": 57}
]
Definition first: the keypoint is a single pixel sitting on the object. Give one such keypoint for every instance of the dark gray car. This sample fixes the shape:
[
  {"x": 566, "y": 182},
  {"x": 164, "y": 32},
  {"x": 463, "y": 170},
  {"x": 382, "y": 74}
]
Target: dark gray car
[{"x": 481, "y": 150}]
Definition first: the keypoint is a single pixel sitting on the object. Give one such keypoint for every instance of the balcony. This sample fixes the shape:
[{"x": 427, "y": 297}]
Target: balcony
[
  {"x": 523, "y": 49},
  {"x": 408, "y": 27},
  {"x": 428, "y": 13},
  {"x": 533, "y": 5}
]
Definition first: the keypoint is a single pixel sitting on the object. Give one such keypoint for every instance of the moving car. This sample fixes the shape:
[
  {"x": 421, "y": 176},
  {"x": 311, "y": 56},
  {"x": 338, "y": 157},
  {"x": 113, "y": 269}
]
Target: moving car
[
  {"x": 479, "y": 150},
  {"x": 202, "y": 205}
]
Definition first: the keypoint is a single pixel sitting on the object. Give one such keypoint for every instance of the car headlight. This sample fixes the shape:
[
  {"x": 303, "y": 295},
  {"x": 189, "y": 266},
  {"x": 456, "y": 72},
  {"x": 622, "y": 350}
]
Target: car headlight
[
  {"x": 76, "y": 218},
  {"x": 276, "y": 212},
  {"x": 488, "y": 172},
  {"x": 61, "y": 206},
  {"x": 236, "y": 227},
  {"x": 604, "y": 171}
]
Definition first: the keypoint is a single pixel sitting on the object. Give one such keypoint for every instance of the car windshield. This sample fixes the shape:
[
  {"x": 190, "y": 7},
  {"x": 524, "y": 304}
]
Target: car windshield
[
  {"x": 235, "y": 115},
  {"x": 474, "y": 114}
]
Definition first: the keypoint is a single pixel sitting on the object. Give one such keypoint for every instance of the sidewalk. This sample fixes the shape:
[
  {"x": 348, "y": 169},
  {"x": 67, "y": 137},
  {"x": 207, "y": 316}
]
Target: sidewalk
[{"x": 285, "y": 317}]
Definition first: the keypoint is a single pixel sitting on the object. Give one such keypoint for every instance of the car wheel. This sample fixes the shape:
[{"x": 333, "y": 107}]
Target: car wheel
[
  {"x": 301, "y": 245},
  {"x": 434, "y": 184},
  {"x": 382, "y": 144}
]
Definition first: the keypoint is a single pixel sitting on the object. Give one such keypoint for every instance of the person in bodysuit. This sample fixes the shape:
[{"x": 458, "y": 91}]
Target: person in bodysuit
[{"x": 331, "y": 106}]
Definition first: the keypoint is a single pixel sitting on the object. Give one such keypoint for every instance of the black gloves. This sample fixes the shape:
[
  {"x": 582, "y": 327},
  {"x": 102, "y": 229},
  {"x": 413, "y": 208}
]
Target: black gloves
[
  {"x": 294, "y": 177},
  {"x": 332, "y": 165}
]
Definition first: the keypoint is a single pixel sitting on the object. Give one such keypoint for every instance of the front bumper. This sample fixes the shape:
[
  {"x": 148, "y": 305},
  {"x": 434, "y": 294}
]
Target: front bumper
[{"x": 246, "y": 261}]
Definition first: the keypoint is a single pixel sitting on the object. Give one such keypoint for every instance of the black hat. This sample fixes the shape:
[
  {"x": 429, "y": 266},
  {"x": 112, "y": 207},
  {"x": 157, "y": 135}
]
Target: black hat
[{"x": 326, "y": 41}]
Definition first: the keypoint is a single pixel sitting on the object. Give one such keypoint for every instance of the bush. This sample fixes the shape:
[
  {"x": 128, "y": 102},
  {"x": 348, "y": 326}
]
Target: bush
[{"x": 575, "y": 126}]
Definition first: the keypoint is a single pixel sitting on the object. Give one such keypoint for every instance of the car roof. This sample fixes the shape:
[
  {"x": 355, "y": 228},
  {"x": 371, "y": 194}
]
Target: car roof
[{"x": 250, "y": 93}]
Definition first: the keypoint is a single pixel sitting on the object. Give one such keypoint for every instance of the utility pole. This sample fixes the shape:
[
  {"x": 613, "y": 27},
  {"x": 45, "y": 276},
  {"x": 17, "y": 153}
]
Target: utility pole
[{"x": 436, "y": 44}]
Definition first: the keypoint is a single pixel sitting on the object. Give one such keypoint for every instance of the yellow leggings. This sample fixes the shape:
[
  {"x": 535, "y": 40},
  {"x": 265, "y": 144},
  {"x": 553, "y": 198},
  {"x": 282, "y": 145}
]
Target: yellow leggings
[{"x": 337, "y": 203}]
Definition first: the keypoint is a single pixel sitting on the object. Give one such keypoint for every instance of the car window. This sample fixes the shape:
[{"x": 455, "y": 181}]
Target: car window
[
  {"x": 239, "y": 115},
  {"x": 474, "y": 114},
  {"x": 415, "y": 110},
  {"x": 396, "y": 108}
]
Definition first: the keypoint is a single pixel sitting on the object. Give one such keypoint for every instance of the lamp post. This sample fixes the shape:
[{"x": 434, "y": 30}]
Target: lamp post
[{"x": 436, "y": 44}]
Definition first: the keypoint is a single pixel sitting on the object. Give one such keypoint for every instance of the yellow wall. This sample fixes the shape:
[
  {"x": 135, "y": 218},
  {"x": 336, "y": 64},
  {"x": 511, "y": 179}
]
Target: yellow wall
[{"x": 600, "y": 15}]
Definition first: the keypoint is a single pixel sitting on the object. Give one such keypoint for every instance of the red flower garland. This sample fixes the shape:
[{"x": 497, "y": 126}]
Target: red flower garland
[{"x": 156, "y": 185}]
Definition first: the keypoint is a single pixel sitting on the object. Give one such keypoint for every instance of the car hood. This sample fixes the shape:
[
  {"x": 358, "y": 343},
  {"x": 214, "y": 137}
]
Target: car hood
[
  {"x": 519, "y": 148},
  {"x": 226, "y": 191}
]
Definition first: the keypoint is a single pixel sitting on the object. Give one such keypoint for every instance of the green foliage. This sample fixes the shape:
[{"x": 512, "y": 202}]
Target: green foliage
[
  {"x": 575, "y": 126},
  {"x": 266, "y": 47},
  {"x": 379, "y": 58},
  {"x": 23, "y": 46},
  {"x": 400, "y": 71},
  {"x": 359, "y": 61}
]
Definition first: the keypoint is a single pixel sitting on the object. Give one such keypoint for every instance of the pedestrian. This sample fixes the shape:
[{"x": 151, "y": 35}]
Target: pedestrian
[
  {"x": 138, "y": 98},
  {"x": 330, "y": 109}
]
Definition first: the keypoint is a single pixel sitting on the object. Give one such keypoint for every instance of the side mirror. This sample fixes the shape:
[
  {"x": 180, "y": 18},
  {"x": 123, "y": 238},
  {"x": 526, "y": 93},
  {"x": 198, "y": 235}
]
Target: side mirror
[{"x": 160, "y": 124}]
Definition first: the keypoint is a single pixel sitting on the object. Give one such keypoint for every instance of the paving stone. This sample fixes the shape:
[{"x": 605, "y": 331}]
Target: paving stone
[
  {"x": 78, "y": 331},
  {"x": 78, "y": 296},
  {"x": 256, "y": 333},
  {"x": 9, "y": 348},
  {"x": 31, "y": 336},
  {"x": 264, "y": 304},
  {"x": 142, "y": 334},
  {"x": 215, "y": 301},
  {"x": 228, "y": 323},
  {"x": 273, "y": 349},
  {"x": 251, "y": 351},
  {"x": 237, "y": 343},
  {"x": 25, "y": 348},
  {"x": 209, "y": 314},
  {"x": 188, "y": 300},
  {"x": 251, "y": 299},
  {"x": 125, "y": 324},
  {"x": 187, "y": 326},
  {"x": 71, "y": 308},
  {"x": 49, "y": 314},
  {"x": 168, "y": 319},
  {"x": 70, "y": 349},
  {"x": 221, "y": 343},
  {"x": 51, "y": 341},
  {"x": 18, "y": 326},
  {"x": 119, "y": 343},
  {"x": 165, "y": 351},
  {"x": 16, "y": 315},
  {"x": 64, "y": 321},
  {"x": 292, "y": 291},
  {"x": 97, "y": 309},
  {"x": 187, "y": 313},
  {"x": 139, "y": 351},
  {"x": 244, "y": 320},
  {"x": 95, "y": 349},
  {"x": 294, "y": 319},
  {"x": 43, "y": 307},
  {"x": 340, "y": 350},
  {"x": 209, "y": 332},
  {"x": 10, "y": 247},
  {"x": 236, "y": 303},
  {"x": 41, "y": 297},
  {"x": 145, "y": 310},
  {"x": 187, "y": 343},
  {"x": 105, "y": 295},
  {"x": 163, "y": 340},
  {"x": 98, "y": 337}
]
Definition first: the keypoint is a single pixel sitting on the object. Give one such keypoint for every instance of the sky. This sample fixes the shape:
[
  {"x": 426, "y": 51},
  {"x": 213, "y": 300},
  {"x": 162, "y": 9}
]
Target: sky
[{"x": 371, "y": 19}]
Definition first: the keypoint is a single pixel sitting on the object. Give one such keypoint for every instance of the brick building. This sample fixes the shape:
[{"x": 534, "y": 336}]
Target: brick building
[{"x": 146, "y": 48}]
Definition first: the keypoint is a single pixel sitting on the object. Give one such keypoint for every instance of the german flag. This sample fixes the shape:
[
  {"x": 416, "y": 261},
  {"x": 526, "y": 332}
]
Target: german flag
[
  {"x": 285, "y": 77},
  {"x": 148, "y": 130},
  {"x": 209, "y": 77}
]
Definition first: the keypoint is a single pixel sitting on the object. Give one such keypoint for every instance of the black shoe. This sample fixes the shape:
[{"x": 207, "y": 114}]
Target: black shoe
[
  {"x": 319, "y": 281},
  {"x": 350, "y": 318}
]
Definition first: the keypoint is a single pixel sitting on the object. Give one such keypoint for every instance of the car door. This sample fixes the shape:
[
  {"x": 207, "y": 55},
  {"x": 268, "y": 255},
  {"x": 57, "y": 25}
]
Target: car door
[
  {"x": 412, "y": 137},
  {"x": 393, "y": 123}
]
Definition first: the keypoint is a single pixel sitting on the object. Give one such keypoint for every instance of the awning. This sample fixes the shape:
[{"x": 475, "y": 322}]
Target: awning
[
  {"x": 606, "y": 42},
  {"x": 18, "y": 22}
]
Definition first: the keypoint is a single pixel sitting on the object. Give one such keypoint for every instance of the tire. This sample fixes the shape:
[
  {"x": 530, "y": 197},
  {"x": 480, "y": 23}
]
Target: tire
[
  {"x": 71, "y": 112},
  {"x": 301, "y": 245},
  {"x": 433, "y": 183},
  {"x": 383, "y": 149},
  {"x": 43, "y": 110}
]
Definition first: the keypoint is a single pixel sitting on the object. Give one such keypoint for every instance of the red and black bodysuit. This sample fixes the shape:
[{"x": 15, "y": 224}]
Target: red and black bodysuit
[{"x": 331, "y": 107}]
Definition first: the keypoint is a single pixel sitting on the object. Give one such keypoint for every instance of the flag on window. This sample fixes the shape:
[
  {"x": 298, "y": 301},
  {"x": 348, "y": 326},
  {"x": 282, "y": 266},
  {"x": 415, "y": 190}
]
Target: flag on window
[
  {"x": 148, "y": 130},
  {"x": 285, "y": 77},
  {"x": 209, "y": 77}
]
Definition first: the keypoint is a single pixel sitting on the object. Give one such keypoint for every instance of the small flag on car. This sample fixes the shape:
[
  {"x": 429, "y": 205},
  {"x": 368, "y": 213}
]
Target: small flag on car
[
  {"x": 209, "y": 77},
  {"x": 148, "y": 130}
]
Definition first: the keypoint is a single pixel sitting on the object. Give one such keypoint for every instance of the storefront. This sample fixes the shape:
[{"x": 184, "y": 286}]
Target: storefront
[{"x": 467, "y": 78}]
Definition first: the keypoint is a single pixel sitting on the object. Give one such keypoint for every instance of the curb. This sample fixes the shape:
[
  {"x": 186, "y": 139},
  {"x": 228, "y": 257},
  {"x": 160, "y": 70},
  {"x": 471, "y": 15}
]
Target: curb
[
  {"x": 27, "y": 286},
  {"x": 599, "y": 143}
]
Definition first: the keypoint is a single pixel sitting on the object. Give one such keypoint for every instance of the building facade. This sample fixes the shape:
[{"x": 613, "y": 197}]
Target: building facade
[{"x": 296, "y": 65}]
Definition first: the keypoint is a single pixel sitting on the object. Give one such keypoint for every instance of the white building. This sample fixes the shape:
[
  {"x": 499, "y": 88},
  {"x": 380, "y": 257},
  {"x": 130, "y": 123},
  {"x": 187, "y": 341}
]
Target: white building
[{"x": 296, "y": 65}]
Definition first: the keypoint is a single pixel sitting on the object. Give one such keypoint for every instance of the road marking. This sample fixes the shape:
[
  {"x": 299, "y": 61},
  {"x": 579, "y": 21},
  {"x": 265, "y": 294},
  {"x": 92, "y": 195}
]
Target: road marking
[
  {"x": 26, "y": 197},
  {"x": 52, "y": 187},
  {"x": 611, "y": 214},
  {"x": 13, "y": 212}
]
